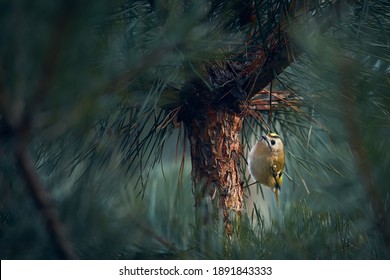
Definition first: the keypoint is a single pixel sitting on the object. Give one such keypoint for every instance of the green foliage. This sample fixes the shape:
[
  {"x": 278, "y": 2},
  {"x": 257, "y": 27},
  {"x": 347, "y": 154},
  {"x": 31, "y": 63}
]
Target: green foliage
[{"x": 102, "y": 84}]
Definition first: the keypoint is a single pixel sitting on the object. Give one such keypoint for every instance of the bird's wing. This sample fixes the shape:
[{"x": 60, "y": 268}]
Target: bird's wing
[{"x": 277, "y": 173}]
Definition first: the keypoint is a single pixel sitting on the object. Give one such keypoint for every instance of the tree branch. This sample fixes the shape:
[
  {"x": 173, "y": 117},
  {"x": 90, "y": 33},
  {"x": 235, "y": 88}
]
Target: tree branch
[
  {"x": 21, "y": 126},
  {"x": 283, "y": 49},
  {"x": 348, "y": 104},
  {"x": 42, "y": 198}
]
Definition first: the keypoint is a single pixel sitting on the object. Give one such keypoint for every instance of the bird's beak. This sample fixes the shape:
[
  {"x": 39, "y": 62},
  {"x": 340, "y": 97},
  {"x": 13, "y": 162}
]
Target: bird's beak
[{"x": 266, "y": 140}]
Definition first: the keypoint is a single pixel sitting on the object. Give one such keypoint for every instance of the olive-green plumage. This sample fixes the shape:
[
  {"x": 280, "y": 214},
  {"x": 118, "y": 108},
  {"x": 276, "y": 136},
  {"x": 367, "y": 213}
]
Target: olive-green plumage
[{"x": 266, "y": 162}]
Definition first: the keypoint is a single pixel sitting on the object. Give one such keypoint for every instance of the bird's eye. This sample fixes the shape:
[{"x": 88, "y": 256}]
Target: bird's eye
[{"x": 273, "y": 142}]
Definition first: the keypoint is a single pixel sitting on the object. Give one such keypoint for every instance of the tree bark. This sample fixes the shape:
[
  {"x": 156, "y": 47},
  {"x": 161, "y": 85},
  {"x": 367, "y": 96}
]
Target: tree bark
[{"x": 215, "y": 155}]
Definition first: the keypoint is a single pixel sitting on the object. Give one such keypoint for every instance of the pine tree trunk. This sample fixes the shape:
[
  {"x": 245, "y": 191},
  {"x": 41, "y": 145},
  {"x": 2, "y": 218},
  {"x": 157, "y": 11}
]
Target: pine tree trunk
[{"x": 215, "y": 155}]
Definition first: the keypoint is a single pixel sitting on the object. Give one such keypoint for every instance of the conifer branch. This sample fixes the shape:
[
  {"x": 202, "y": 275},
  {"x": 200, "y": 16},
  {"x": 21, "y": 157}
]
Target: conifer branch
[
  {"x": 42, "y": 198},
  {"x": 361, "y": 158},
  {"x": 21, "y": 127},
  {"x": 283, "y": 50}
]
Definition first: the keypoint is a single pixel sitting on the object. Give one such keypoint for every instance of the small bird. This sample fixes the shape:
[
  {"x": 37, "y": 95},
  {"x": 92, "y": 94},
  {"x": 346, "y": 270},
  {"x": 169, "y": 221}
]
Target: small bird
[{"x": 266, "y": 162}]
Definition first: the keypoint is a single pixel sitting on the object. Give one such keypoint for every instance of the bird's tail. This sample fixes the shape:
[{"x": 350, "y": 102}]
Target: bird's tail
[{"x": 276, "y": 190}]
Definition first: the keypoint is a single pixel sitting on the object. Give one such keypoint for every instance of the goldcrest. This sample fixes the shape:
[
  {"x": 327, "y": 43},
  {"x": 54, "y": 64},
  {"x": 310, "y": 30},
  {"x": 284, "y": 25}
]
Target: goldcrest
[{"x": 266, "y": 162}]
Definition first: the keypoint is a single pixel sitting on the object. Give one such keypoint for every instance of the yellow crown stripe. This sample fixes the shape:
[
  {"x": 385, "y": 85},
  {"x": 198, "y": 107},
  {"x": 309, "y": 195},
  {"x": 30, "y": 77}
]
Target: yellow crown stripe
[{"x": 274, "y": 135}]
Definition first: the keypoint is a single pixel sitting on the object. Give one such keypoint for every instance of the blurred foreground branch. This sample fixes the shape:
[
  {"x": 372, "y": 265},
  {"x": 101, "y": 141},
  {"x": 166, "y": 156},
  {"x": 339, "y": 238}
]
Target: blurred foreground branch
[
  {"x": 43, "y": 200},
  {"x": 362, "y": 160},
  {"x": 18, "y": 124}
]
